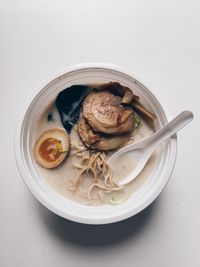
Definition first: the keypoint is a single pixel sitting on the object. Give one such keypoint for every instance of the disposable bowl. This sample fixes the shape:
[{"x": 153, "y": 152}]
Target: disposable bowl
[{"x": 24, "y": 141}]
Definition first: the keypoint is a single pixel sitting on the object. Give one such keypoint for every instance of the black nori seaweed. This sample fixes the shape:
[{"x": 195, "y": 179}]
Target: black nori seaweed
[{"x": 69, "y": 104}]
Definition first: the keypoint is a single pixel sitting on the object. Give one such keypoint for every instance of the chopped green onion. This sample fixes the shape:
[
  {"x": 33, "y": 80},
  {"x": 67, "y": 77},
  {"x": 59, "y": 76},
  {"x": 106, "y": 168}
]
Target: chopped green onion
[
  {"x": 137, "y": 122},
  {"x": 114, "y": 201}
]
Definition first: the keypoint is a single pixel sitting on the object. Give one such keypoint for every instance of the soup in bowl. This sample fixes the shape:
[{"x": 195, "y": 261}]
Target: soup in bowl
[{"x": 71, "y": 128}]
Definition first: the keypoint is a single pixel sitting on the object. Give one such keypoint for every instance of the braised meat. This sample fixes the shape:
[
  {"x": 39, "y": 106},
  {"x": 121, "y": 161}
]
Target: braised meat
[
  {"x": 104, "y": 113},
  {"x": 98, "y": 141}
]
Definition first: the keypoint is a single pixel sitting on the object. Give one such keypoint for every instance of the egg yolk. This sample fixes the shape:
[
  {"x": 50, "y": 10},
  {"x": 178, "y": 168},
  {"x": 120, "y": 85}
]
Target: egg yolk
[{"x": 50, "y": 149}]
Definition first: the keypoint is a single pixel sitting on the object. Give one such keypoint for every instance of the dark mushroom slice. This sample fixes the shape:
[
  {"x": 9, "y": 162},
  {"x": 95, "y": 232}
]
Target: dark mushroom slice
[
  {"x": 120, "y": 90},
  {"x": 128, "y": 97},
  {"x": 147, "y": 115}
]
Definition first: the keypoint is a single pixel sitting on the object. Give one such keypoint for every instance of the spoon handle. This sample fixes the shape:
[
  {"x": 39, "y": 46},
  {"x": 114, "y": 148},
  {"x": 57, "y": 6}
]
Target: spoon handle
[{"x": 171, "y": 128}]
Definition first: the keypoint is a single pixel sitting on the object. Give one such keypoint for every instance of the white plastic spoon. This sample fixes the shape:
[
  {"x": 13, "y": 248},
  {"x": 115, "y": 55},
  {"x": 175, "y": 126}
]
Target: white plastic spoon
[{"x": 141, "y": 151}]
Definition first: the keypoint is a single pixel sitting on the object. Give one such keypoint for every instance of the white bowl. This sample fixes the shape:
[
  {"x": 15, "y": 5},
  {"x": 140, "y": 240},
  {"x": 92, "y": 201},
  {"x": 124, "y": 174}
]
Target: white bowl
[{"x": 146, "y": 194}]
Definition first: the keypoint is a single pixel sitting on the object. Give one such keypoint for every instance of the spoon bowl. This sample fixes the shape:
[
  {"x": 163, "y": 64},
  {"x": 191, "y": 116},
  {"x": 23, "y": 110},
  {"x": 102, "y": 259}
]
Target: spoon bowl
[{"x": 141, "y": 151}]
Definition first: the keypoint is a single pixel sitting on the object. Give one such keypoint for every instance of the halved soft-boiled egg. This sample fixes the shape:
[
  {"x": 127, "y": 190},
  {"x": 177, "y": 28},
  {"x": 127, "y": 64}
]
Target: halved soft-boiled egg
[{"x": 52, "y": 147}]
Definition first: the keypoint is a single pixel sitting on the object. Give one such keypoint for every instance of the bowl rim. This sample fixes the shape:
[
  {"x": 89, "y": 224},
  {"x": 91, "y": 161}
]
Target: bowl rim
[{"x": 41, "y": 197}]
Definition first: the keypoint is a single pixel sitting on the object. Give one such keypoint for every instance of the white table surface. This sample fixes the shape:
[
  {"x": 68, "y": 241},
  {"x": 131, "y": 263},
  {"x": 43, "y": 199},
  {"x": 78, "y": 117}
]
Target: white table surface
[{"x": 159, "y": 41}]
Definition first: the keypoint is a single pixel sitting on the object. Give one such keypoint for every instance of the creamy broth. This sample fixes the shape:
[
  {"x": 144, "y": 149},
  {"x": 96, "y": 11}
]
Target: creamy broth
[{"x": 60, "y": 177}]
